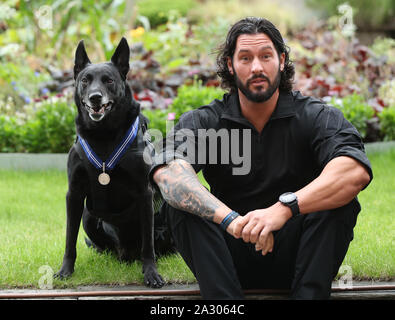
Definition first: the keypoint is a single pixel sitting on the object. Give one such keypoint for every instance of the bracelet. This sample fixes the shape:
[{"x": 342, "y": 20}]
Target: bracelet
[{"x": 228, "y": 219}]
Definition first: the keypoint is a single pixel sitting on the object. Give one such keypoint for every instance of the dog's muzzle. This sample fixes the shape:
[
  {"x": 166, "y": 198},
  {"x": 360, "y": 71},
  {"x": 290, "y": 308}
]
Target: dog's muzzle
[{"x": 96, "y": 113}]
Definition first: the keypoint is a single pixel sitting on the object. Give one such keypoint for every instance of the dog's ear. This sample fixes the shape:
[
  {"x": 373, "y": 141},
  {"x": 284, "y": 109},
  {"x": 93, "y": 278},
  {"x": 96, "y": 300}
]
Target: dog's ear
[
  {"x": 81, "y": 59},
  {"x": 120, "y": 58}
]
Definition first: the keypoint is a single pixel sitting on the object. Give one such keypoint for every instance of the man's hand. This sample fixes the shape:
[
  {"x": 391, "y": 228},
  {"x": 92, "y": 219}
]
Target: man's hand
[{"x": 257, "y": 226}]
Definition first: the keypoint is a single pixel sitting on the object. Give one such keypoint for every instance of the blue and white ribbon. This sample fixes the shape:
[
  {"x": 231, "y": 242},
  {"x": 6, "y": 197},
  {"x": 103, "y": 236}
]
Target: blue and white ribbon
[{"x": 113, "y": 159}]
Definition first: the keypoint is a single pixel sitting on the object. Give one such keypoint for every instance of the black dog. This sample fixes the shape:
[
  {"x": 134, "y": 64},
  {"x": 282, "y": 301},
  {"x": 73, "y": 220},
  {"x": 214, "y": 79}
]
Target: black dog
[{"x": 107, "y": 175}]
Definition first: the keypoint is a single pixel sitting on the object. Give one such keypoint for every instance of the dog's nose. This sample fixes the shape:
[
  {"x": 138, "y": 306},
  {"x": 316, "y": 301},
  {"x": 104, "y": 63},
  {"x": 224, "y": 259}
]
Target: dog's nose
[{"x": 95, "y": 97}]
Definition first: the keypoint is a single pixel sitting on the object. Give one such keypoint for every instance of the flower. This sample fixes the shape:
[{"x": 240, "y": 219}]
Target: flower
[
  {"x": 136, "y": 33},
  {"x": 44, "y": 91},
  {"x": 171, "y": 116}
]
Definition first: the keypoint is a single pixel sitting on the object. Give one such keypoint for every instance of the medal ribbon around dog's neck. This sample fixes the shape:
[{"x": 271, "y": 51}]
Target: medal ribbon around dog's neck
[{"x": 114, "y": 158}]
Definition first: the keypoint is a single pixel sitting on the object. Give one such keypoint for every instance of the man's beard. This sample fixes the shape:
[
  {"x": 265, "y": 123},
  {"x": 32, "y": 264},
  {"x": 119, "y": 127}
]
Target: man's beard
[{"x": 260, "y": 96}]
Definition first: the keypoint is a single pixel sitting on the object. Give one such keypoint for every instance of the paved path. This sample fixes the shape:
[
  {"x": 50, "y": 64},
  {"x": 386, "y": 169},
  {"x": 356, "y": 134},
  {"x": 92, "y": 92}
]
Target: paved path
[{"x": 361, "y": 290}]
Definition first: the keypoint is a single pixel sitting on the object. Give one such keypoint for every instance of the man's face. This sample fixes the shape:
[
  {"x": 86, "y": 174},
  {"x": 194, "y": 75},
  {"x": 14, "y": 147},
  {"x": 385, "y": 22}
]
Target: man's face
[{"x": 256, "y": 66}]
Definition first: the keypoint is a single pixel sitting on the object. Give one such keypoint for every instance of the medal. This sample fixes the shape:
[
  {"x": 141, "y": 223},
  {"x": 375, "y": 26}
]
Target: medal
[
  {"x": 114, "y": 158},
  {"x": 104, "y": 178}
]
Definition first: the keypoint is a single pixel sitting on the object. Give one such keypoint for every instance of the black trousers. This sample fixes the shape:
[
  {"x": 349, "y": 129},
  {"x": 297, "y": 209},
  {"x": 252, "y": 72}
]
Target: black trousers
[{"x": 306, "y": 257}]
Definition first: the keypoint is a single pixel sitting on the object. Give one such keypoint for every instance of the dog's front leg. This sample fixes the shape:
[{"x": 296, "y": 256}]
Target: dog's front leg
[
  {"x": 75, "y": 207},
  {"x": 151, "y": 276}
]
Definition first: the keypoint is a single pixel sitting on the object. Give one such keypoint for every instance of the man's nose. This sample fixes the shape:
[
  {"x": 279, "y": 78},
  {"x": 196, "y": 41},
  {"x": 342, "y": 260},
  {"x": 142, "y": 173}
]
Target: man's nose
[
  {"x": 256, "y": 66},
  {"x": 95, "y": 97}
]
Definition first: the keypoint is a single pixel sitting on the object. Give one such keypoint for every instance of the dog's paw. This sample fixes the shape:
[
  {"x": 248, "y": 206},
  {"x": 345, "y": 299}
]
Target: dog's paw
[
  {"x": 154, "y": 281},
  {"x": 152, "y": 278},
  {"x": 63, "y": 274}
]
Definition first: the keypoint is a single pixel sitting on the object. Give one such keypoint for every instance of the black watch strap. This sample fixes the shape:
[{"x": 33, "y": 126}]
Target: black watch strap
[{"x": 294, "y": 208}]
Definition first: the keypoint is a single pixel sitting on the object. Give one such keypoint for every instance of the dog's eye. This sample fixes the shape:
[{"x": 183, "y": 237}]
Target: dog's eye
[
  {"x": 110, "y": 81},
  {"x": 84, "y": 80}
]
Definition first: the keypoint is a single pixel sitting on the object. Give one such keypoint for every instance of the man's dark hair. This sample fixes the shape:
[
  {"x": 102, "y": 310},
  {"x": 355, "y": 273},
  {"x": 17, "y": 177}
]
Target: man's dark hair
[{"x": 253, "y": 25}]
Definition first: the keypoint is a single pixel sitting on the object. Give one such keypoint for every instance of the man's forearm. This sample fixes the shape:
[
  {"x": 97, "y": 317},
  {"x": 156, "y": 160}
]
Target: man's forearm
[
  {"x": 181, "y": 188},
  {"x": 340, "y": 182}
]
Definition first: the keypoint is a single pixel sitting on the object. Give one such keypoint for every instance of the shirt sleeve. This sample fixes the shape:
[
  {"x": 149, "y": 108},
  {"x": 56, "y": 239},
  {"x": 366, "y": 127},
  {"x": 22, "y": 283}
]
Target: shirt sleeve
[
  {"x": 182, "y": 142},
  {"x": 333, "y": 136}
]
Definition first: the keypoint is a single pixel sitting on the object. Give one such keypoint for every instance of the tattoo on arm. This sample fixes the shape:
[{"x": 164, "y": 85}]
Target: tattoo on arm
[{"x": 182, "y": 189}]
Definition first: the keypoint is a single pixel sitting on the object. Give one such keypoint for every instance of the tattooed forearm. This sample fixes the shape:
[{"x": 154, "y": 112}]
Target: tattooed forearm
[{"x": 182, "y": 189}]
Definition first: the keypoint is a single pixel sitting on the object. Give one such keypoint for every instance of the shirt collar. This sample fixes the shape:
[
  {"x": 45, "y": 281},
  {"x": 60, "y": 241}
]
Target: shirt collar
[{"x": 284, "y": 108}]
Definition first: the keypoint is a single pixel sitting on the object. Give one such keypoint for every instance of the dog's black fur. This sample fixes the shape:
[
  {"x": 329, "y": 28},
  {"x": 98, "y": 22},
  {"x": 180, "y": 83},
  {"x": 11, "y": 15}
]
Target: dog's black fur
[{"x": 118, "y": 216}]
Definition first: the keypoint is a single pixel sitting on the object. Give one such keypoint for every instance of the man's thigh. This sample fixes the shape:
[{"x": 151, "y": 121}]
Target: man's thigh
[{"x": 275, "y": 270}]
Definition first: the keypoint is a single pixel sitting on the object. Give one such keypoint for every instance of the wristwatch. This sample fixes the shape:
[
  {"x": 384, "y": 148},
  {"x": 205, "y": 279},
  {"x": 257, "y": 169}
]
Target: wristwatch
[{"x": 290, "y": 200}]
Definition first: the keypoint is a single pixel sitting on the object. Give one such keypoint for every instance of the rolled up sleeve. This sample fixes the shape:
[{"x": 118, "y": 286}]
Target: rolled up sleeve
[
  {"x": 182, "y": 142},
  {"x": 334, "y": 136}
]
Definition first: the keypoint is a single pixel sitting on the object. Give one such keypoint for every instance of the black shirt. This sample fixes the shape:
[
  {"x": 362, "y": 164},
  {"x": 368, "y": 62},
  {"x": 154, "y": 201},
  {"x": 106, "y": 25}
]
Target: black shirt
[{"x": 300, "y": 138}]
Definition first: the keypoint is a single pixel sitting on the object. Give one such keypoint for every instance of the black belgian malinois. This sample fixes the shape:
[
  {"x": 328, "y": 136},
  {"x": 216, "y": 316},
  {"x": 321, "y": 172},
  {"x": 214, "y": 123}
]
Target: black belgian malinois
[{"x": 107, "y": 175}]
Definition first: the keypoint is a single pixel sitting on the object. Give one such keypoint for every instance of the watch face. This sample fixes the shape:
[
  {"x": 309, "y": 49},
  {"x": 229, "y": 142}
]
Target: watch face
[{"x": 287, "y": 197}]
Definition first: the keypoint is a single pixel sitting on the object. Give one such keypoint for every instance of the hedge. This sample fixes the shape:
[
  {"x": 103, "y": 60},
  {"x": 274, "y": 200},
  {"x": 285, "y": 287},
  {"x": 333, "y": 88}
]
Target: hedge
[{"x": 51, "y": 128}]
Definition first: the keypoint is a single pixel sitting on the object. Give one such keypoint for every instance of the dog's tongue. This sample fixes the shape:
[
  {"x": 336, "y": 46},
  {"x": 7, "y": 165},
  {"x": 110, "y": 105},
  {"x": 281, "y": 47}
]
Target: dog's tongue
[{"x": 99, "y": 111}]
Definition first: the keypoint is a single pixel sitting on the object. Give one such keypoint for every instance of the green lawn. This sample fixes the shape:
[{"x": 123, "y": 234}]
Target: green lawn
[
  {"x": 32, "y": 233},
  {"x": 372, "y": 252}
]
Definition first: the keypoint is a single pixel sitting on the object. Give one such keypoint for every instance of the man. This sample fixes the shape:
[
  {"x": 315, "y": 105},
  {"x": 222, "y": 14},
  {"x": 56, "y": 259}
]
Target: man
[{"x": 290, "y": 219}]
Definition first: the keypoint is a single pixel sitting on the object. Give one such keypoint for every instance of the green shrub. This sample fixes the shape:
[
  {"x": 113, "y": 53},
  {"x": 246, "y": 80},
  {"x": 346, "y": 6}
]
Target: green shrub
[
  {"x": 387, "y": 123},
  {"x": 192, "y": 97},
  {"x": 158, "y": 11},
  {"x": 9, "y": 134},
  {"x": 366, "y": 12},
  {"x": 355, "y": 110},
  {"x": 50, "y": 129},
  {"x": 188, "y": 97},
  {"x": 157, "y": 119}
]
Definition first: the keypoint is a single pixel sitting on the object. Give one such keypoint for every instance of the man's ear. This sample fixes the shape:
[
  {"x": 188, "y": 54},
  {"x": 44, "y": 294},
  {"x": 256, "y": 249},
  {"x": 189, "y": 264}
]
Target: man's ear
[
  {"x": 230, "y": 65},
  {"x": 282, "y": 61},
  {"x": 120, "y": 58},
  {"x": 81, "y": 59}
]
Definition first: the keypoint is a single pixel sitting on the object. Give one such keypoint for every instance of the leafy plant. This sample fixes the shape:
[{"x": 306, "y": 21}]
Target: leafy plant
[
  {"x": 355, "y": 110},
  {"x": 192, "y": 97},
  {"x": 9, "y": 134},
  {"x": 50, "y": 129},
  {"x": 189, "y": 97},
  {"x": 61, "y": 23},
  {"x": 159, "y": 11},
  {"x": 387, "y": 123},
  {"x": 157, "y": 119},
  {"x": 21, "y": 83},
  {"x": 367, "y": 12},
  {"x": 387, "y": 92}
]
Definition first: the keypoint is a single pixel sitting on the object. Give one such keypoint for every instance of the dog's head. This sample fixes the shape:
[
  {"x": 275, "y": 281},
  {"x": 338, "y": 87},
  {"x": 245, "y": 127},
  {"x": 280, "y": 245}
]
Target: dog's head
[{"x": 99, "y": 86}]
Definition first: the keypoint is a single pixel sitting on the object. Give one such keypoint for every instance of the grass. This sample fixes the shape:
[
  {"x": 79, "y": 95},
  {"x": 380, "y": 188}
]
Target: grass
[
  {"x": 371, "y": 254},
  {"x": 32, "y": 233}
]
